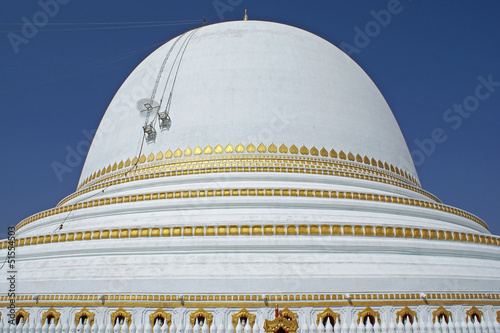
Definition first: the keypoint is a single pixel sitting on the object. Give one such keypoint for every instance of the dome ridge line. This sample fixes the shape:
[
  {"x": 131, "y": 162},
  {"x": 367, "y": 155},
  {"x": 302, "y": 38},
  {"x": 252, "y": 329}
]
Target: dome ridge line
[
  {"x": 262, "y": 149},
  {"x": 227, "y": 192}
]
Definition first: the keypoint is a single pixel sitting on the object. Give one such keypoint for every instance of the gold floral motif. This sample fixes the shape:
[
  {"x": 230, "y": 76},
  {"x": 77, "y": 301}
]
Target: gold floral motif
[
  {"x": 304, "y": 150},
  {"x": 208, "y": 150},
  {"x": 51, "y": 313},
  {"x": 162, "y": 314},
  {"x": 243, "y": 313},
  {"x": 441, "y": 311},
  {"x": 188, "y": 151},
  {"x": 240, "y": 148},
  {"x": 350, "y": 156},
  {"x": 197, "y": 151},
  {"x": 473, "y": 311},
  {"x": 178, "y": 153},
  {"x": 368, "y": 312},
  {"x": 218, "y": 149},
  {"x": 128, "y": 162},
  {"x": 23, "y": 313},
  {"x": 85, "y": 313},
  {"x": 286, "y": 321},
  {"x": 294, "y": 149},
  {"x": 135, "y": 160},
  {"x": 142, "y": 159},
  {"x": 406, "y": 311},
  {"x": 283, "y": 149},
  {"x": 328, "y": 313},
  {"x": 123, "y": 313},
  {"x": 159, "y": 156},
  {"x": 261, "y": 148},
  {"x": 114, "y": 167},
  {"x": 342, "y": 155},
  {"x": 168, "y": 154},
  {"x": 229, "y": 148},
  {"x": 314, "y": 151},
  {"x": 333, "y": 153},
  {"x": 272, "y": 148},
  {"x": 151, "y": 157},
  {"x": 323, "y": 152},
  {"x": 251, "y": 148},
  {"x": 201, "y": 313}
]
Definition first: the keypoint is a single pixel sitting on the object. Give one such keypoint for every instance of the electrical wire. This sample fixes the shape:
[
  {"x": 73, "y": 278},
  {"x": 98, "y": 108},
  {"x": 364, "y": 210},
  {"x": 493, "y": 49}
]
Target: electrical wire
[
  {"x": 105, "y": 23},
  {"x": 111, "y": 28}
]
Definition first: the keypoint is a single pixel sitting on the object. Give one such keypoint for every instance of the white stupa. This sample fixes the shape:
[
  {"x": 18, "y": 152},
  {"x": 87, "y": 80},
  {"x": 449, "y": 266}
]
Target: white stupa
[{"x": 245, "y": 166}]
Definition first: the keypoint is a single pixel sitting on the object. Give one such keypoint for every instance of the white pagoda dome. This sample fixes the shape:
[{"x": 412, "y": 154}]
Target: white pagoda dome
[{"x": 242, "y": 166}]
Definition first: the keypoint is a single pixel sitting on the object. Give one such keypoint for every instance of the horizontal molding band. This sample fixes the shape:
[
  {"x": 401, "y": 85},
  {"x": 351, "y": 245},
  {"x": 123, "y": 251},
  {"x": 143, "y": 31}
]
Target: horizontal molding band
[
  {"x": 266, "y": 230},
  {"x": 229, "y": 164},
  {"x": 277, "y": 192},
  {"x": 251, "y": 148},
  {"x": 253, "y": 300}
]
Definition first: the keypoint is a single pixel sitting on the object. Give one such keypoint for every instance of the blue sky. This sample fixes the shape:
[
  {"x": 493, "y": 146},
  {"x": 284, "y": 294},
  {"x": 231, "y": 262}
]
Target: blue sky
[{"x": 432, "y": 61}]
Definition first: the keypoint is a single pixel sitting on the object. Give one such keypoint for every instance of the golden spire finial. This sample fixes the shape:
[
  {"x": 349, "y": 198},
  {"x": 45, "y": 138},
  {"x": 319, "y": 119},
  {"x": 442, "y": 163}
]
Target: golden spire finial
[{"x": 246, "y": 16}]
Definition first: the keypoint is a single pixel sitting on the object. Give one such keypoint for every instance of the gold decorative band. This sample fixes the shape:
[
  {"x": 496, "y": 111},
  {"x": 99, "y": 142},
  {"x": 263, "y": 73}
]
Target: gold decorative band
[
  {"x": 261, "y": 149},
  {"x": 252, "y": 192},
  {"x": 252, "y": 301},
  {"x": 259, "y": 230},
  {"x": 228, "y": 164}
]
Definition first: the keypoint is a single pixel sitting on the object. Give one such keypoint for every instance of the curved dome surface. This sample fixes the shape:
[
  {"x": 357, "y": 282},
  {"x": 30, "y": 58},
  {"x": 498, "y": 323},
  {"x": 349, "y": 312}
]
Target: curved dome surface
[
  {"x": 284, "y": 171},
  {"x": 250, "y": 82}
]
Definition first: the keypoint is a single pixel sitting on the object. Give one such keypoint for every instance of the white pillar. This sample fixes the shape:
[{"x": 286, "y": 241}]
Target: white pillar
[
  {"x": 247, "y": 328},
  {"x": 361, "y": 327},
  {"x": 345, "y": 327},
  {"x": 173, "y": 328},
  {"x": 65, "y": 328},
  {"x": 451, "y": 326},
  {"x": 124, "y": 328},
  {"x": 131, "y": 329},
  {"x": 408, "y": 328},
  {"x": 230, "y": 326},
  {"x": 477, "y": 327},
  {"x": 384, "y": 328},
  {"x": 26, "y": 326},
  {"x": 239, "y": 328},
  {"x": 59, "y": 327},
  {"x": 164, "y": 327},
  {"x": 352, "y": 328},
  {"x": 255, "y": 328},
  {"x": 86, "y": 327},
  {"x": 484, "y": 327},
  {"x": 369, "y": 327},
  {"x": 149, "y": 329},
  {"x": 221, "y": 328},
  {"x": 157, "y": 328},
  {"x": 303, "y": 329},
  {"x": 32, "y": 326},
  {"x": 336, "y": 327},
  {"x": 79, "y": 327},
  {"x": 414, "y": 326},
  {"x": 320, "y": 328},
  {"x": 102, "y": 327},
  {"x": 19, "y": 327},
  {"x": 392, "y": 327},
  {"x": 52, "y": 326},
  {"x": 313, "y": 328},
  {"x": 400, "y": 328},
  {"x": 45, "y": 326},
  {"x": 329, "y": 326},
  {"x": 496, "y": 325},
  {"x": 444, "y": 326}
]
